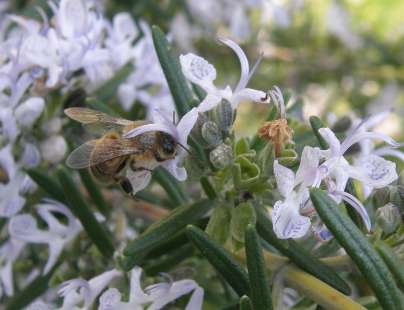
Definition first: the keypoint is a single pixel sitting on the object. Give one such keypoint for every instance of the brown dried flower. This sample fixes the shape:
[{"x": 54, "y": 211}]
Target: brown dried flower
[{"x": 278, "y": 132}]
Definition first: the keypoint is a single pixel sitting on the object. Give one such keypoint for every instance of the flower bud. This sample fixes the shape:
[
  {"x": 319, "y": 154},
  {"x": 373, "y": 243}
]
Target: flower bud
[
  {"x": 221, "y": 156},
  {"x": 397, "y": 196},
  {"x": 224, "y": 116},
  {"x": 388, "y": 218},
  {"x": 211, "y": 134},
  {"x": 29, "y": 111},
  {"x": 381, "y": 196},
  {"x": 53, "y": 149}
]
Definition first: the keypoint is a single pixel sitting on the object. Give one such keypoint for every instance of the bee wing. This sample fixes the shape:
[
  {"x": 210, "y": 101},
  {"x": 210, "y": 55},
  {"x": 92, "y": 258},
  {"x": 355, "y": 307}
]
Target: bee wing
[
  {"x": 88, "y": 116},
  {"x": 98, "y": 122},
  {"x": 95, "y": 152}
]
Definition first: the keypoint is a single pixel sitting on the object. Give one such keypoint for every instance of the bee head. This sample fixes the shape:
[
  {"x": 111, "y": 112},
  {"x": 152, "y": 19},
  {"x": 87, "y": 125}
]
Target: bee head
[{"x": 167, "y": 147}]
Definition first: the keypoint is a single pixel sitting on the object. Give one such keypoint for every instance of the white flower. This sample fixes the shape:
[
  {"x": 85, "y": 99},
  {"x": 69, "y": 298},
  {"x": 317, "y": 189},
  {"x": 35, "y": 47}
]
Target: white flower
[
  {"x": 156, "y": 296},
  {"x": 367, "y": 146},
  {"x": 24, "y": 227},
  {"x": 72, "y": 18},
  {"x": 286, "y": 218},
  {"x": 199, "y": 71},
  {"x": 79, "y": 291},
  {"x": 370, "y": 170},
  {"x": 29, "y": 111},
  {"x": 179, "y": 132}
]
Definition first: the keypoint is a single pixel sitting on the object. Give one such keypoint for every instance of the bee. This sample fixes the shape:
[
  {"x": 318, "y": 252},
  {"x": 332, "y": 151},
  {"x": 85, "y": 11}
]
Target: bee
[{"x": 108, "y": 156}]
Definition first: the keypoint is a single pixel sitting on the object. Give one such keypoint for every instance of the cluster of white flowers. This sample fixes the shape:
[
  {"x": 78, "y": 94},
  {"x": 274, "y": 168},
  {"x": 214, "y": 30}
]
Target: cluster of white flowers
[
  {"x": 77, "y": 46},
  {"x": 230, "y": 18},
  {"x": 81, "y": 294},
  {"x": 291, "y": 217}
]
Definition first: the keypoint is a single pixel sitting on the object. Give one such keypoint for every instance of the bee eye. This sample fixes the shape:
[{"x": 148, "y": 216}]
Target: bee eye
[{"x": 168, "y": 147}]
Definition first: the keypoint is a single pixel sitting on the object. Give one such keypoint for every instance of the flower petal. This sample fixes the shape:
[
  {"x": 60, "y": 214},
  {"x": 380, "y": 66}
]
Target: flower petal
[
  {"x": 72, "y": 18},
  {"x": 287, "y": 222},
  {"x": 358, "y": 137},
  {"x": 24, "y": 227},
  {"x": 178, "y": 172},
  {"x": 307, "y": 172},
  {"x": 138, "y": 179},
  {"x": 55, "y": 249},
  {"x": 186, "y": 124},
  {"x": 148, "y": 128},
  {"x": 210, "y": 101},
  {"x": 136, "y": 292},
  {"x": 195, "y": 303},
  {"x": 374, "y": 171},
  {"x": 388, "y": 151},
  {"x": 110, "y": 299},
  {"x": 332, "y": 140},
  {"x": 248, "y": 94},
  {"x": 198, "y": 71},
  {"x": 285, "y": 179},
  {"x": 124, "y": 27},
  {"x": 175, "y": 291},
  {"x": 245, "y": 67},
  {"x": 357, "y": 205}
]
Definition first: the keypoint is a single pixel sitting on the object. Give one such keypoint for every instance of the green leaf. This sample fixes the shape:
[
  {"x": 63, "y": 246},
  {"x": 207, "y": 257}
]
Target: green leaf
[
  {"x": 170, "y": 185},
  {"x": 51, "y": 187},
  {"x": 35, "y": 289},
  {"x": 300, "y": 256},
  {"x": 316, "y": 124},
  {"x": 219, "y": 224},
  {"x": 177, "y": 83},
  {"x": 223, "y": 262},
  {"x": 245, "y": 304},
  {"x": 169, "y": 260},
  {"x": 108, "y": 90},
  {"x": 94, "y": 192},
  {"x": 257, "y": 273},
  {"x": 359, "y": 249},
  {"x": 241, "y": 216},
  {"x": 164, "y": 229},
  {"x": 395, "y": 265},
  {"x": 77, "y": 204}
]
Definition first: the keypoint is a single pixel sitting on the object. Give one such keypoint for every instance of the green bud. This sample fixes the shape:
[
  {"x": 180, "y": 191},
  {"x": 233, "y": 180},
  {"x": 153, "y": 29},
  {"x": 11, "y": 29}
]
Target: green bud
[
  {"x": 342, "y": 124},
  {"x": 388, "y": 218},
  {"x": 381, "y": 196},
  {"x": 400, "y": 180},
  {"x": 224, "y": 116},
  {"x": 219, "y": 224},
  {"x": 241, "y": 217},
  {"x": 397, "y": 196},
  {"x": 211, "y": 134},
  {"x": 288, "y": 158},
  {"x": 221, "y": 156}
]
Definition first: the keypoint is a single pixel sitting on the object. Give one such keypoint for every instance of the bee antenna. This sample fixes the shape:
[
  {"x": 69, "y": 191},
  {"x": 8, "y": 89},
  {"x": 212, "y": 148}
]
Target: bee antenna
[
  {"x": 174, "y": 117},
  {"x": 186, "y": 149}
]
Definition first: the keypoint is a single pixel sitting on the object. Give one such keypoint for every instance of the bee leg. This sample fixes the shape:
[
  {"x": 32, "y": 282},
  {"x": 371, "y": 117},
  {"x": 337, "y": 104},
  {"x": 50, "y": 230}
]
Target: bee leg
[
  {"x": 125, "y": 184},
  {"x": 132, "y": 165}
]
